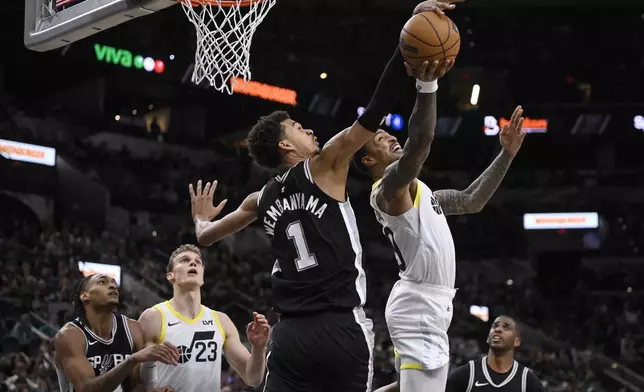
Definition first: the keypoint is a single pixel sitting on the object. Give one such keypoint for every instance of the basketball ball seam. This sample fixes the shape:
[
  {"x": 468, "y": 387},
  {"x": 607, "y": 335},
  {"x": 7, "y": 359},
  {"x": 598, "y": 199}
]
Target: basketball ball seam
[
  {"x": 418, "y": 39},
  {"x": 449, "y": 29},
  {"x": 424, "y": 57},
  {"x": 435, "y": 32},
  {"x": 438, "y": 54},
  {"x": 454, "y": 44}
]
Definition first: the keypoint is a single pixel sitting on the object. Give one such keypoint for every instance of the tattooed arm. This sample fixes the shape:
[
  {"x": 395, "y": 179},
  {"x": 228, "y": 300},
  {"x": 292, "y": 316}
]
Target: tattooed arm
[
  {"x": 422, "y": 125},
  {"x": 393, "y": 193},
  {"x": 476, "y": 196}
]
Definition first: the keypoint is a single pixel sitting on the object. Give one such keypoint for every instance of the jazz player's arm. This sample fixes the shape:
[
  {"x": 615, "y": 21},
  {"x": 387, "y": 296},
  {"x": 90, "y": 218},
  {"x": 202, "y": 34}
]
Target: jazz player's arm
[
  {"x": 210, "y": 232},
  {"x": 393, "y": 195},
  {"x": 335, "y": 157},
  {"x": 476, "y": 196},
  {"x": 69, "y": 345},
  {"x": 144, "y": 373},
  {"x": 250, "y": 366}
]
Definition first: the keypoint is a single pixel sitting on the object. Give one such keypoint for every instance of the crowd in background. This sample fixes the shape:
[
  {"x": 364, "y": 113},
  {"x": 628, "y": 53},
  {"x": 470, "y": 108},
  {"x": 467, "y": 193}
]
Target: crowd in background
[{"x": 38, "y": 266}]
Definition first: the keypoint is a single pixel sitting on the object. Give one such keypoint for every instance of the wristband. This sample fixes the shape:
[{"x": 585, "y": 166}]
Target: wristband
[
  {"x": 201, "y": 225},
  {"x": 426, "y": 87}
]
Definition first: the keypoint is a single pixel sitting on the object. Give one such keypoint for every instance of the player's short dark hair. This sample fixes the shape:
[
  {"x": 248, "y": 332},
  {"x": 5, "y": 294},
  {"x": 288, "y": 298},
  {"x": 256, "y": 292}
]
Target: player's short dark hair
[
  {"x": 263, "y": 139},
  {"x": 181, "y": 249},
  {"x": 79, "y": 307},
  {"x": 359, "y": 166}
]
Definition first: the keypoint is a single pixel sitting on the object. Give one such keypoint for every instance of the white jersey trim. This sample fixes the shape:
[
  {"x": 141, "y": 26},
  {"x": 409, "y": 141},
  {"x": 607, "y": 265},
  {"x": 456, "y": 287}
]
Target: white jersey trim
[
  {"x": 259, "y": 196},
  {"x": 307, "y": 171},
  {"x": 126, "y": 325},
  {"x": 472, "y": 373},
  {"x": 359, "y": 315},
  {"x": 361, "y": 282},
  {"x": 524, "y": 380},
  {"x": 267, "y": 371},
  {"x": 513, "y": 372},
  {"x": 354, "y": 236},
  {"x": 84, "y": 337},
  {"x": 100, "y": 339}
]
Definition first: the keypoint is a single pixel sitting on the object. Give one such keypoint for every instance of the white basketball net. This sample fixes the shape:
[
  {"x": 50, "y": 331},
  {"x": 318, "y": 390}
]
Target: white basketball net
[{"x": 224, "y": 37}]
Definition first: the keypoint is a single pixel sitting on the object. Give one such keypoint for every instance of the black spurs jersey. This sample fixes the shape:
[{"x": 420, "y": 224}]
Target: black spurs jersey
[
  {"x": 477, "y": 376},
  {"x": 315, "y": 237},
  {"x": 102, "y": 354}
]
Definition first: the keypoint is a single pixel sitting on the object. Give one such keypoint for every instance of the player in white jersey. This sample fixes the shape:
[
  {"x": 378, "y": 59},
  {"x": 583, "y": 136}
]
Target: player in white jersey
[
  {"x": 203, "y": 335},
  {"x": 419, "y": 309}
]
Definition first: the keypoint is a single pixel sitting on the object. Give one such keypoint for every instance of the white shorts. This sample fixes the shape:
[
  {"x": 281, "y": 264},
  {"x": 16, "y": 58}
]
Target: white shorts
[
  {"x": 424, "y": 380},
  {"x": 418, "y": 317}
]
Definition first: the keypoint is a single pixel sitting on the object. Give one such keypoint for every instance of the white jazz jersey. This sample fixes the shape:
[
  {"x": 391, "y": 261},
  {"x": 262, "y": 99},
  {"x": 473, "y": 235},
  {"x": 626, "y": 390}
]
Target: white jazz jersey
[
  {"x": 419, "y": 310},
  {"x": 201, "y": 341},
  {"x": 422, "y": 239}
]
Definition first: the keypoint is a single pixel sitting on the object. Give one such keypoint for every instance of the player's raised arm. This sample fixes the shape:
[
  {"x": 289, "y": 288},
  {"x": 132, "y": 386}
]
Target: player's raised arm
[
  {"x": 337, "y": 153},
  {"x": 69, "y": 345},
  {"x": 476, "y": 196},
  {"x": 422, "y": 125},
  {"x": 203, "y": 212},
  {"x": 250, "y": 366}
]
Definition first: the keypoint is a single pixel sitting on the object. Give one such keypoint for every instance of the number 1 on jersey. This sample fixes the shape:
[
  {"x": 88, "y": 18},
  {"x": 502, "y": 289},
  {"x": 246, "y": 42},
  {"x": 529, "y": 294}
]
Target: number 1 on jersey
[{"x": 305, "y": 259}]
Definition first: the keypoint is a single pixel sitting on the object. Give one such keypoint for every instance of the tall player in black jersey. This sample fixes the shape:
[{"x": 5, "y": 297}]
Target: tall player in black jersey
[
  {"x": 498, "y": 371},
  {"x": 99, "y": 350},
  {"x": 324, "y": 341}
]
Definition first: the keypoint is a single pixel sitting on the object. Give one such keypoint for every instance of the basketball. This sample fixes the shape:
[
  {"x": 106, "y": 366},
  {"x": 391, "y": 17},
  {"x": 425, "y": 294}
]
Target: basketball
[{"x": 429, "y": 36}]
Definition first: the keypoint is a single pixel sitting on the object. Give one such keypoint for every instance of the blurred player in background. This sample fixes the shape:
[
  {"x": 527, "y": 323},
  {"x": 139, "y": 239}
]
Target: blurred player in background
[
  {"x": 99, "y": 350},
  {"x": 419, "y": 310},
  {"x": 203, "y": 335},
  {"x": 498, "y": 371}
]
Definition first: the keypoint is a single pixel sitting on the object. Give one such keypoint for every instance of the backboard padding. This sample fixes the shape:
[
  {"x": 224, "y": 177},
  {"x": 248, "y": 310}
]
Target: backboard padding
[{"x": 46, "y": 29}]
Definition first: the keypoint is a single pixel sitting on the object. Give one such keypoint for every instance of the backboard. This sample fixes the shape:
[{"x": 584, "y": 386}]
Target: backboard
[{"x": 50, "y": 24}]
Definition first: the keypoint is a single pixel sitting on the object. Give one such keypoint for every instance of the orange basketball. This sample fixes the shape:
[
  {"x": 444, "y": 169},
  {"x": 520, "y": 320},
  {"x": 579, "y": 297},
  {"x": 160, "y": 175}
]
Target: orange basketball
[{"x": 429, "y": 36}]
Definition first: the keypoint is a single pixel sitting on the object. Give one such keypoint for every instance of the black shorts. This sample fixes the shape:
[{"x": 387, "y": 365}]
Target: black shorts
[{"x": 325, "y": 352}]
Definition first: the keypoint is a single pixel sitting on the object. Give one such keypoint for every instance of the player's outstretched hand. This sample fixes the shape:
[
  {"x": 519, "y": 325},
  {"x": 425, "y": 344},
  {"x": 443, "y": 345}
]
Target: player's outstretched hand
[
  {"x": 437, "y": 6},
  {"x": 428, "y": 72},
  {"x": 511, "y": 135},
  {"x": 202, "y": 202},
  {"x": 258, "y": 331},
  {"x": 165, "y": 353}
]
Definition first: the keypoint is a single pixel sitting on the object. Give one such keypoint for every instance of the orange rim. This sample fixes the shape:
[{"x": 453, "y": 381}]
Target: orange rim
[{"x": 222, "y": 3}]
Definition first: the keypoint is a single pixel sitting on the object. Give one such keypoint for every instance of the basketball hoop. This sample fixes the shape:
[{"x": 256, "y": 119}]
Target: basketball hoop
[{"x": 225, "y": 31}]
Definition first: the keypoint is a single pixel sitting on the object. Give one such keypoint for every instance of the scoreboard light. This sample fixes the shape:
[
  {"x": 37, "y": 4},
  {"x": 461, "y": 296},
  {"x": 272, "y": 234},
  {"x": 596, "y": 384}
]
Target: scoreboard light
[
  {"x": 492, "y": 126},
  {"x": 393, "y": 121},
  {"x": 125, "y": 58}
]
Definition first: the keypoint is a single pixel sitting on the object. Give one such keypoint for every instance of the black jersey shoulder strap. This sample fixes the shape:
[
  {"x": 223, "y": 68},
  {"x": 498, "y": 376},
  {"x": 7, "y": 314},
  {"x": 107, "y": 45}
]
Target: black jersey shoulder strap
[
  {"x": 524, "y": 379},
  {"x": 472, "y": 372}
]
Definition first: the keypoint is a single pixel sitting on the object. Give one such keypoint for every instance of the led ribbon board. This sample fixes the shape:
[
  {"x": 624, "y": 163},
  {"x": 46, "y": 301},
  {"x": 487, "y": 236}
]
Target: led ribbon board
[{"x": 125, "y": 58}]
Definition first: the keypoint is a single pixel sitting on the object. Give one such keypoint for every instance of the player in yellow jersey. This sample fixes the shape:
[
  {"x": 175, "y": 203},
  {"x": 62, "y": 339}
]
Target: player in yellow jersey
[{"x": 203, "y": 335}]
